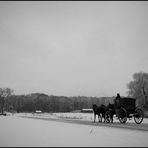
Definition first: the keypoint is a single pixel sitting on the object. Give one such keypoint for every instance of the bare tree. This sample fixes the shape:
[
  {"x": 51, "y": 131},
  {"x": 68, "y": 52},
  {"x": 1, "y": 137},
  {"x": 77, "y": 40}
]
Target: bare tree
[
  {"x": 138, "y": 88},
  {"x": 4, "y": 94}
]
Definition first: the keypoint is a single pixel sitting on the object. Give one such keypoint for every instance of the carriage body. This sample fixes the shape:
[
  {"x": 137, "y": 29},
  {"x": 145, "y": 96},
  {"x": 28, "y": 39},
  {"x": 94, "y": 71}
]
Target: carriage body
[{"x": 129, "y": 104}]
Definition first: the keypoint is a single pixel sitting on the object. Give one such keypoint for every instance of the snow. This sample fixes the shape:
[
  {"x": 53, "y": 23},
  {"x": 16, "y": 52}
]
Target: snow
[
  {"x": 16, "y": 131},
  {"x": 70, "y": 115}
]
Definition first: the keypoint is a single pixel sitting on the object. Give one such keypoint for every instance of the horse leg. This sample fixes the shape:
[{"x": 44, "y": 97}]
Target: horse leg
[
  {"x": 94, "y": 117},
  {"x": 98, "y": 118},
  {"x": 101, "y": 118},
  {"x": 104, "y": 117}
]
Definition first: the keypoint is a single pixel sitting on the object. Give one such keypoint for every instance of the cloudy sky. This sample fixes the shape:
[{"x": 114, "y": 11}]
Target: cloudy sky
[{"x": 72, "y": 48}]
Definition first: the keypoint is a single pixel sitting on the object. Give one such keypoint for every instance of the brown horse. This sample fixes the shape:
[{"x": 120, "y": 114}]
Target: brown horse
[
  {"x": 100, "y": 111},
  {"x": 110, "y": 111}
]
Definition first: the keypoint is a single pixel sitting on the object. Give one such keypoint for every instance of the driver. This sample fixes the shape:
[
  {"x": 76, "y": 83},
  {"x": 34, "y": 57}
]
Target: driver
[{"x": 116, "y": 102}]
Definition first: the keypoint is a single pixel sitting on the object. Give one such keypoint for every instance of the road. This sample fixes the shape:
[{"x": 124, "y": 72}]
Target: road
[{"x": 131, "y": 126}]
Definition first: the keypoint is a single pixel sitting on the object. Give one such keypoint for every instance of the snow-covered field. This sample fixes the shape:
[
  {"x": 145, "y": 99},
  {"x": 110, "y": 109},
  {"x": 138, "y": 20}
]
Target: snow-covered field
[
  {"x": 81, "y": 116},
  {"x": 68, "y": 115},
  {"x": 16, "y": 131}
]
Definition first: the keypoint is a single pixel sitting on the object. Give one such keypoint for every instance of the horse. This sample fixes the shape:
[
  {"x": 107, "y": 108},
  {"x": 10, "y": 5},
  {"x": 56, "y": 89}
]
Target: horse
[
  {"x": 100, "y": 111},
  {"x": 110, "y": 111}
]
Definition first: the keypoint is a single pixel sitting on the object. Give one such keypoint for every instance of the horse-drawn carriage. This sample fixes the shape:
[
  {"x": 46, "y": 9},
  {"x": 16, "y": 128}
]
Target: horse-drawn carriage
[{"x": 124, "y": 108}]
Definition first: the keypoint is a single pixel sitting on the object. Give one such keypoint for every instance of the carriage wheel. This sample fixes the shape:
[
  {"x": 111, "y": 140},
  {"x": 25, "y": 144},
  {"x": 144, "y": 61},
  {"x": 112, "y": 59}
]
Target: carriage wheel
[
  {"x": 107, "y": 117},
  {"x": 122, "y": 115},
  {"x": 138, "y": 115}
]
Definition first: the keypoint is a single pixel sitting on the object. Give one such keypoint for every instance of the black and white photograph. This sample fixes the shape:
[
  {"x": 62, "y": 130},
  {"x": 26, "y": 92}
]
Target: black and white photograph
[{"x": 73, "y": 73}]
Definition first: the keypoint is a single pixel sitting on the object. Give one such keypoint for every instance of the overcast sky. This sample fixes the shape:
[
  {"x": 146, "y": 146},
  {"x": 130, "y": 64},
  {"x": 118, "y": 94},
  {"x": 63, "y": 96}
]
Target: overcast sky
[{"x": 86, "y": 48}]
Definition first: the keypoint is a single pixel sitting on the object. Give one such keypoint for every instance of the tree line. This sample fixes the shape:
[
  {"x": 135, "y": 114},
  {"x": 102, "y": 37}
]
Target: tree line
[{"x": 45, "y": 103}]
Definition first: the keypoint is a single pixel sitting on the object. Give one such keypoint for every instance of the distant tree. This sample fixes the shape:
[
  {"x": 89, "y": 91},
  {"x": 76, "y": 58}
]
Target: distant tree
[
  {"x": 138, "y": 88},
  {"x": 4, "y": 94}
]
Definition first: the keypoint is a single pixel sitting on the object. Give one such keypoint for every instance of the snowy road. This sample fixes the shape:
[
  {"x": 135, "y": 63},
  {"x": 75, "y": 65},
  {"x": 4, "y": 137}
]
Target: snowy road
[
  {"x": 16, "y": 131},
  {"x": 132, "y": 126}
]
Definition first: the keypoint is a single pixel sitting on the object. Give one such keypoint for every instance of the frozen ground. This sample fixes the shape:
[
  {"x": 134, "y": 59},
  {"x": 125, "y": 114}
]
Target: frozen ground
[{"x": 16, "y": 131}]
